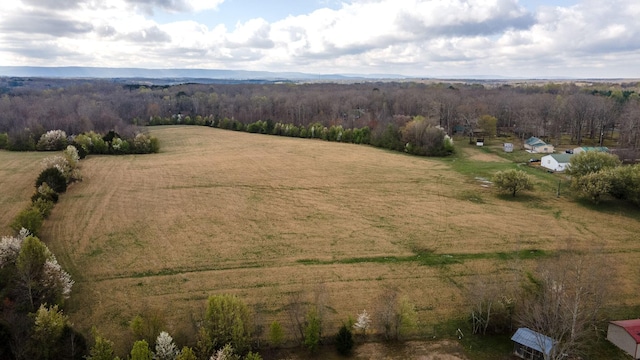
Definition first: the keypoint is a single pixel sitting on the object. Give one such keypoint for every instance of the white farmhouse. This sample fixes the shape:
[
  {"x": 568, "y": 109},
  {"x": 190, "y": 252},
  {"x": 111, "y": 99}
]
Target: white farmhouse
[{"x": 555, "y": 162}]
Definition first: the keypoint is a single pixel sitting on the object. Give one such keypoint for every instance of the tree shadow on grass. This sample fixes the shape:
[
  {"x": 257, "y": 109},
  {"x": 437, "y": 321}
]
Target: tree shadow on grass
[
  {"x": 525, "y": 198},
  {"x": 612, "y": 207}
]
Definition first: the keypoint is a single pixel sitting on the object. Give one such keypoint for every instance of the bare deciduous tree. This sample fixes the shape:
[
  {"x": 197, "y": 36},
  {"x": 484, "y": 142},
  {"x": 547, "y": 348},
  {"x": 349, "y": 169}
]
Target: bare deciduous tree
[{"x": 566, "y": 296}]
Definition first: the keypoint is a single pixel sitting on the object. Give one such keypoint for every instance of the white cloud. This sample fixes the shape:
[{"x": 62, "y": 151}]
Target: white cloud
[{"x": 415, "y": 37}]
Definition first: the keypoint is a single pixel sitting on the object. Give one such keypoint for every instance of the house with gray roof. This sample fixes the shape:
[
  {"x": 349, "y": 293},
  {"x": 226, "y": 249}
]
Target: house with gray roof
[
  {"x": 535, "y": 145},
  {"x": 556, "y": 162}
]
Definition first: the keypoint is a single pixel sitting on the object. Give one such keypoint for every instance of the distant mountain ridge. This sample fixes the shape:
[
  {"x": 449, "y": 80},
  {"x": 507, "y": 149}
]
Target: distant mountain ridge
[{"x": 110, "y": 73}]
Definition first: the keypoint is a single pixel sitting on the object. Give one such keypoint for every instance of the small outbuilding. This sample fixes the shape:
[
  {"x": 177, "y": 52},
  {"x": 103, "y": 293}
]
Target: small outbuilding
[
  {"x": 580, "y": 149},
  {"x": 531, "y": 345},
  {"x": 625, "y": 334},
  {"x": 508, "y": 147},
  {"x": 535, "y": 145},
  {"x": 556, "y": 162}
]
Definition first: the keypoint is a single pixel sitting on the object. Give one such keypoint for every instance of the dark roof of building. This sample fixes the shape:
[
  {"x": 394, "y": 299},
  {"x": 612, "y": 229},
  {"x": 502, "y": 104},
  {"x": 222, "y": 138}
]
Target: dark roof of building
[{"x": 534, "y": 141}]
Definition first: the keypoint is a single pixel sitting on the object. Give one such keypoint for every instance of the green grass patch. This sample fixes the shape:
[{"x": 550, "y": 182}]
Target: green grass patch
[
  {"x": 477, "y": 347},
  {"x": 428, "y": 258},
  {"x": 472, "y": 196}
]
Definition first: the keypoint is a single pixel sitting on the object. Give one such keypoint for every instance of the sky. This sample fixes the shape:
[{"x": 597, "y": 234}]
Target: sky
[{"x": 424, "y": 38}]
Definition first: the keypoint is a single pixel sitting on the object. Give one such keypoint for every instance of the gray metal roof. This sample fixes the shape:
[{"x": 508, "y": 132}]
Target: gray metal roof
[
  {"x": 534, "y": 340},
  {"x": 561, "y": 158}
]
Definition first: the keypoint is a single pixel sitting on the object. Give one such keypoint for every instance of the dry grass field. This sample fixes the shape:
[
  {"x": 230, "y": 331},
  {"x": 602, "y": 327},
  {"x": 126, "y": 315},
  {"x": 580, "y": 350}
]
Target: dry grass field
[
  {"x": 18, "y": 174},
  {"x": 265, "y": 217}
]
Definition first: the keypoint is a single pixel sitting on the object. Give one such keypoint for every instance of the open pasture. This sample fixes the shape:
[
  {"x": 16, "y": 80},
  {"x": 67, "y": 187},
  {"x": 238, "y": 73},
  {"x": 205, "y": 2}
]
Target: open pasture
[
  {"x": 265, "y": 217},
  {"x": 18, "y": 174}
]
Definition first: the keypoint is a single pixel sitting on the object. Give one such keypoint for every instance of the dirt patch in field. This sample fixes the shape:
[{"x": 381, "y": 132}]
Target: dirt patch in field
[
  {"x": 422, "y": 350},
  {"x": 411, "y": 350},
  {"x": 481, "y": 156}
]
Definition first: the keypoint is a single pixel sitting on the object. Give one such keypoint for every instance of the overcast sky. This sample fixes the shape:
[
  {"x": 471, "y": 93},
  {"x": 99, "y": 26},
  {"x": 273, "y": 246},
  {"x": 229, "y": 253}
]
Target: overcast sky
[{"x": 520, "y": 38}]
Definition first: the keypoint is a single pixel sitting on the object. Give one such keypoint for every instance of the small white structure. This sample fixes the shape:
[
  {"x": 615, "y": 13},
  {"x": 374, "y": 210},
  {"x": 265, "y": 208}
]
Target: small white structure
[
  {"x": 556, "y": 162},
  {"x": 508, "y": 147},
  {"x": 535, "y": 145},
  {"x": 531, "y": 345},
  {"x": 580, "y": 149},
  {"x": 625, "y": 334},
  {"x": 480, "y": 142}
]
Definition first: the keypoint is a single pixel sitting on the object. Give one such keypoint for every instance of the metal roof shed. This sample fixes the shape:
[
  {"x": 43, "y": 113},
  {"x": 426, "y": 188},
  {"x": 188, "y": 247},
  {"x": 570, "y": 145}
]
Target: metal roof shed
[{"x": 531, "y": 345}]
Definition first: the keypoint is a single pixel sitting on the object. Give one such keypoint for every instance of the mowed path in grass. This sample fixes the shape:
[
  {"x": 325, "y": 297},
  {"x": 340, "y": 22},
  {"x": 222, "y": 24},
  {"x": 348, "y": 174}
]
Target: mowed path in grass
[{"x": 263, "y": 217}]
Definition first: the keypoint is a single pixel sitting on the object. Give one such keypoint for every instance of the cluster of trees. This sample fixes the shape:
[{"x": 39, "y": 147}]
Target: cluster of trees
[
  {"x": 85, "y": 143},
  {"x": 598, "y": 174},
  {"x": 229, "y": 329},
  {"x": 33, "y": 287},
  {"x": 583, "y": 113},
  {"x": 415, "y": 135}
]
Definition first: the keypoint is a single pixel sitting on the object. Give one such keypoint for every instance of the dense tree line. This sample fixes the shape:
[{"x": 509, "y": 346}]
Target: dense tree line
[{"x": 583, "y": 113}]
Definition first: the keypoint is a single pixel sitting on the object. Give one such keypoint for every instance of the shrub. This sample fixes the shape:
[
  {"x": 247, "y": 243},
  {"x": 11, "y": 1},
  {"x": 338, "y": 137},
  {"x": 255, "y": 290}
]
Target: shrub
[
  {"x": 71, "y": 155},
  {"x": 362, "y": 135},
  {"x": 45, "y": 192},
  {"x": 52, "y": 140},
  {"x": 154, "y": 145},
  {"x": 165, "y": 348},
  {"x": 186, "y": 354},
  {"x": 120, "y": 146},
  {"x": 512, "y": 181},
  {"x": 43, "y": 206},
  {"x": 30, "y": 219},
  {"x": 141, "y": 351},
  {"x": 590, "y": 162},
  {"x": 54, "y": 179},
  {"x": 21, "y": 141},
  {"x": 344, "y": 341},
  {"x": 388, "y": 138},
  {"x": 4, "y": 140},
  {"x": 312, "y": 330},
  {"x": 227, "y": 321},
  {"x": 276, "y": 334}
]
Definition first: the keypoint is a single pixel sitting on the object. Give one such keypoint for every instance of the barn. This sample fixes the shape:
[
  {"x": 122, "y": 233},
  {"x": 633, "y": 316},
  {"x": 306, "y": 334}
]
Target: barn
[
  {"x": 556, "y": 162},
  {"x": 531, "y": 345},
  {"x": 625, "y": 334}
]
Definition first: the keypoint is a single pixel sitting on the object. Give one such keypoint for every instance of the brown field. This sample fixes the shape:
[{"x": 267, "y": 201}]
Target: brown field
[
  {"x": 18, "y": 174},
  {"x": 263, "y": 217}
]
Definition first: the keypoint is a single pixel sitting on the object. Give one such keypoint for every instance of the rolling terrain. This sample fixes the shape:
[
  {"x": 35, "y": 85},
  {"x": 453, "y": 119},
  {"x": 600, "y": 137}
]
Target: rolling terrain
[{"x": 267, "y": 217}]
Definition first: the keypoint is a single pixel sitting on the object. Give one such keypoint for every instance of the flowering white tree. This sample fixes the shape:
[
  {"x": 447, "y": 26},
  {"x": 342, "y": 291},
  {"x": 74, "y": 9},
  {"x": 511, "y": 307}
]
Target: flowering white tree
[
  {"x": 67, "y": 164},
  {"x": 38, "y": 276},
  {"x": 72, "y": 156},
  {"x": 225, "y": 353},
  {"x": 363, "y": 323},
  {"x": 165, "y": 348},
  {"x": 52, "y": 140},
  {"x": 10, "y": 247}
]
